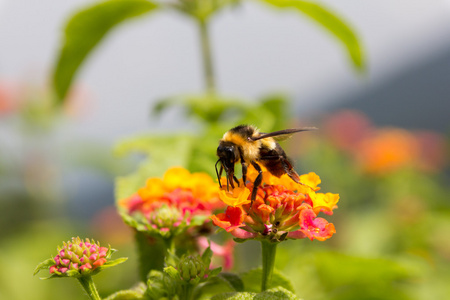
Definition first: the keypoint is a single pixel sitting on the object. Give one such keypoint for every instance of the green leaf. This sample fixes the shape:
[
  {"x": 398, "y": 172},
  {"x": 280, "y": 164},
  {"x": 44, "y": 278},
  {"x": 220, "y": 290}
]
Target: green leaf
[
  {"x": 252, "y": 280},
  {"x": 215, "y": 272},
  {"x": 110, "y": 252},
  {"x": 232, "y": 280},
  {"x": 85, "y": 30},
  {"x": 329, "y": 21},
  {"x": 278, "y": 293},
  {"x": 349, "y": 277},
  {"x": 206, "y": 256},
  {"x": 234, "y": 296},
  {"x": 126, "y": 295},
  {"x": 112, "y": 263},
  {"x": 44, "y": 265}
]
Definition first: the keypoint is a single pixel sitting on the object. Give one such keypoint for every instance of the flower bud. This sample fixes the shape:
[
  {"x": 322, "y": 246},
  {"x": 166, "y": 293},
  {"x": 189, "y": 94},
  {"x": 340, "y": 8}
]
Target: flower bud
[
  {"x": 165, "y": 217},
  {"x": 191, "y": 267}
]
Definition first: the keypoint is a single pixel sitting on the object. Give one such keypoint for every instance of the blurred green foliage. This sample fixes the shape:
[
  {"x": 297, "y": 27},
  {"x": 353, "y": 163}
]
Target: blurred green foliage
[{"x": 85, "y": 30}]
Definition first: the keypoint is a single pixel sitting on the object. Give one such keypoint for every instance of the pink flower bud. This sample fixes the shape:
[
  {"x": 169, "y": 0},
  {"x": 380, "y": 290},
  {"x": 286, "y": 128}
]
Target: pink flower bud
[
  {"x": 93, "y": 256},
  {"x": 99, "y": 262},
  {"x": 85, "y": 267}
]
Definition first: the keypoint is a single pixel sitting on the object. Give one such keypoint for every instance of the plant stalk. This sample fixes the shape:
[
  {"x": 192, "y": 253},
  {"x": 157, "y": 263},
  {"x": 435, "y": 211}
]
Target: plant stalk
[
  {"x": 151, "y": 252},
  {"x": 187, "y": 292},
  {"x": 208, "y": 70},
  {"x": 269, "y": 251},
  {"x": 89, "y": 286}
]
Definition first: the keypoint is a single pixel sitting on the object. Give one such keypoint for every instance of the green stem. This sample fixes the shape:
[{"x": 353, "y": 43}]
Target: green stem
[
  {"x": 169, "y": 243},
  {"x": 208, "y": 70},
  {"x": 89, "y": 286},
  {"x": 269, "y": 251},
  {"x": 187, "y": 292},
  {"x": 151, "y": 253}
]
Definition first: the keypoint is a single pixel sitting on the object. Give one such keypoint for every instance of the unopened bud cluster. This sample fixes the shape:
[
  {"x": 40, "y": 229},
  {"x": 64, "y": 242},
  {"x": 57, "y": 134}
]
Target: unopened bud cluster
[
  {"x": 78, "y": 256},
  {"x": 165, "y": 218},
  {"x": 192, "y": 267}
]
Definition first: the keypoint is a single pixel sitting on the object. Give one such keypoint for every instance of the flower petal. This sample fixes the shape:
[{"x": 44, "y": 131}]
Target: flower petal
[
  {"x": 311, "y": 179},
  {"x": 324, "y": 202},
  {"x": 230, "y": 220},
  {"x": 238, "y": 197},
  {"x": 315, "y": 228}
]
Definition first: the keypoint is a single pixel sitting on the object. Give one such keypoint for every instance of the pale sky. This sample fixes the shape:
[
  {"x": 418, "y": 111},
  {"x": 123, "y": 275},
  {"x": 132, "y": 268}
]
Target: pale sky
[{"x": 257, "y": 51}]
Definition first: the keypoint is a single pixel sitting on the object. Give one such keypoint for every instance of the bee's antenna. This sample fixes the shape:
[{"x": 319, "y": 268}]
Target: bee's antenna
[{"x": 219, "y": 174}]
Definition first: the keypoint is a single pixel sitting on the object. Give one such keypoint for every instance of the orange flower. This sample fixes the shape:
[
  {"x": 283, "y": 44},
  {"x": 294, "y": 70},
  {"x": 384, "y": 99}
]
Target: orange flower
[
  {"x": 387, "y": 150},
  {"x": 176, "y": 199},
  {"x": 282, "y": 209}
]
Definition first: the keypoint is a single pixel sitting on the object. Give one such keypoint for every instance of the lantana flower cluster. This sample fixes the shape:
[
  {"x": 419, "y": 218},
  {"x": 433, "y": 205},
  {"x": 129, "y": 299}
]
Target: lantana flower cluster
[
  {"x": 177, "y": 201},
  {"x": 78, "y": 258},
  {"x": 78, "y": 255},
  {"x": 282, "y": 209}
]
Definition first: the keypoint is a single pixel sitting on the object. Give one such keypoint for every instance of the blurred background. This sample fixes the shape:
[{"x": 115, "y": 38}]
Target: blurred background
[{"x": 382, "y": 144}]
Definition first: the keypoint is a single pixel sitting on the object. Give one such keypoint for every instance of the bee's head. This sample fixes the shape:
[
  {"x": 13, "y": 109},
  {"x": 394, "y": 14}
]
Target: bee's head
[{"x": 228, "y": 154}]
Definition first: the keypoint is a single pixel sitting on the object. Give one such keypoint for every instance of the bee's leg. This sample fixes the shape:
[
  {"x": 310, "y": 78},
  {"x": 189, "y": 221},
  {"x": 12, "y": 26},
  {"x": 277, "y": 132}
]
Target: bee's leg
[
  {"x": 231, "y": 182},
  {"x": 257, "y": 182},
  {"x": 244, "y": 171},
  {"x": 219, "y": 173},
  {"x": 236, "y": 180},
  {"x": 244, "y": 167}
]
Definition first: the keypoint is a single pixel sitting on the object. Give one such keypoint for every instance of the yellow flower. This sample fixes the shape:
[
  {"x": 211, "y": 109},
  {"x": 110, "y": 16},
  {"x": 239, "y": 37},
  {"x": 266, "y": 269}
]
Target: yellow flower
[
  {"x": 154, "y": 188},
  {"x": 236, "y": 197},
  {"x": 311, "y": 179},
  {"x": 324, "y": 202}
]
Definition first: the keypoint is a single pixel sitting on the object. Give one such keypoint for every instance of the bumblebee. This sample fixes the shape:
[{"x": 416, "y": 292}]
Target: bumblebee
[{"x": 245, "y": 144}]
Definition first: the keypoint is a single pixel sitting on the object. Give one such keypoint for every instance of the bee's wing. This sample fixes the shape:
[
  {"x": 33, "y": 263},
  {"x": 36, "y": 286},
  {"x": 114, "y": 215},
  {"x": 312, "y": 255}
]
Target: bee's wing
[{"x": 281, "y": 135}]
